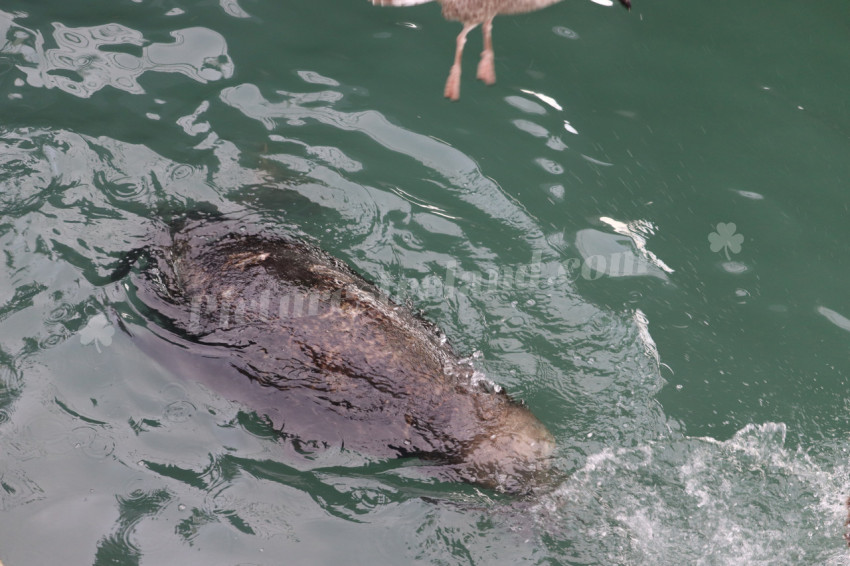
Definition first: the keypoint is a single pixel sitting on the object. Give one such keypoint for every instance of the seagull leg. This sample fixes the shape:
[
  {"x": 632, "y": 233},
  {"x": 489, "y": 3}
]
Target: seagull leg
[
  {"x": 486, "y": 70},
  {"x": 453, "y": 83}
]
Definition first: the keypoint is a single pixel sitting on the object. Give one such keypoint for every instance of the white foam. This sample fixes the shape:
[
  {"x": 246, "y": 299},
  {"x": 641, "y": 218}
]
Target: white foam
[{"x": 684, "y": 500}]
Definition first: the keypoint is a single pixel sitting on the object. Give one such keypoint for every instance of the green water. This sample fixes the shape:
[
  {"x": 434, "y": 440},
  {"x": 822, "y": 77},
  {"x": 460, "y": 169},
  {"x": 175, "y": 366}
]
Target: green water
[{"x": 695, "y": 382}]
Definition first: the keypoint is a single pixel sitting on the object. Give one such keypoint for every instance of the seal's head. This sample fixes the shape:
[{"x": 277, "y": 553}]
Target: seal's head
[{"x": 513, "y": 455}]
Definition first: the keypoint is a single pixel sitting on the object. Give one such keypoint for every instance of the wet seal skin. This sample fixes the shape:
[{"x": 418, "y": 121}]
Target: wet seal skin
[{"x": 280, "y": 324}]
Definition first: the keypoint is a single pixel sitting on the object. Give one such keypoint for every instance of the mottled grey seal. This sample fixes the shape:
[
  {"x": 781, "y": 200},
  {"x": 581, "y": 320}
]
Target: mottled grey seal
[{"x": 340, "y": 362}]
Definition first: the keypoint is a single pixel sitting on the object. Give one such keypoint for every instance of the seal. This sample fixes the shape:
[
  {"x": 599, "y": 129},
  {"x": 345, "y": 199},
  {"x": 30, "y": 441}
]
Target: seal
[{"x": 339, "y": 363}]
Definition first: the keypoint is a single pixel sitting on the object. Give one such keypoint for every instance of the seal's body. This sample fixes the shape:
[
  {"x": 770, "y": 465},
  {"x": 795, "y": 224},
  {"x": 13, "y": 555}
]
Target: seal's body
[{"x": 335, "y": 360}]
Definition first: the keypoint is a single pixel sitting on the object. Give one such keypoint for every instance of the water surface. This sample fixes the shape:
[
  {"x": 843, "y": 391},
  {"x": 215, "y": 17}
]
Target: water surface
[{"x": 639, "y": 230}]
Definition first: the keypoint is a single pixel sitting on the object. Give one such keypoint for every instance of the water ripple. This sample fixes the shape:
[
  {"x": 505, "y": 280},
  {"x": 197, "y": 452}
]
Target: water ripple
[
  {"x": 16, "y": 488},
  {"x": 93, "y": 442},
  {"x": 525, "y": 105},
  {"x": 232, "y": 8},
  {"x": 565, "y": 32},
  {"x": 125, "y": 189},
  {"x": 738, "y": 492},
  {"x": 62, "y": 313},
  {"x": 179, "y": 411},
  {"x": 466, "y": 179},
  {"x": 87, "y": 59}
]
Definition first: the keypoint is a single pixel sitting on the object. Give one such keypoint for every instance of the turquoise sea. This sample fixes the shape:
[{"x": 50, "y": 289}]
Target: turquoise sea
[{"x": 640, "y": 230}]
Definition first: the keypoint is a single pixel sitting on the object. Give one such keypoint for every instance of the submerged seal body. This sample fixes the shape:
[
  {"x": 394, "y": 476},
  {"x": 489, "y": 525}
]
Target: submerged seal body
[{"x": 337, "y": 361}]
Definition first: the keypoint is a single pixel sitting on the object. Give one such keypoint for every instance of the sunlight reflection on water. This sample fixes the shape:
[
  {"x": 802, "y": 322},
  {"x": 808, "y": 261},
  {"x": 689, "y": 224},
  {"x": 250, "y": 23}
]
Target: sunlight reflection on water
[{"x": 80, "y": 65}]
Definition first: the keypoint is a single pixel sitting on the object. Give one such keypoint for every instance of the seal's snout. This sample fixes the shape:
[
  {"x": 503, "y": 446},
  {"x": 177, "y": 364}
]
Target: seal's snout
[
  {"x": 515, "y": 455},
  {"x": 627, "y": 4}
]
